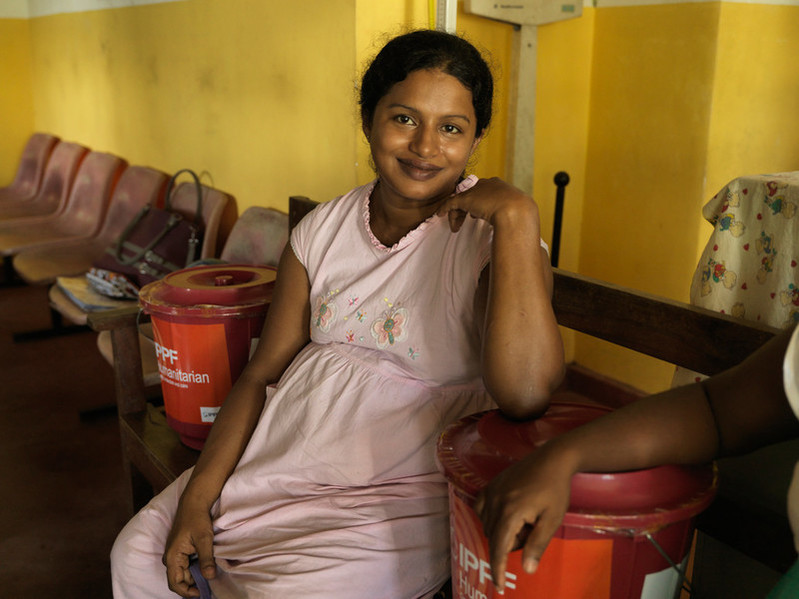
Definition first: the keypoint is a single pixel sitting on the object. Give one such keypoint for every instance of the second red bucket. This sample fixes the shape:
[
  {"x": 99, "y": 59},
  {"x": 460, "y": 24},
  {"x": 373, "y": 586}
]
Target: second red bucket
[
  {"x": 206, "y": 320},
  {"x": 626, "y": 535}
]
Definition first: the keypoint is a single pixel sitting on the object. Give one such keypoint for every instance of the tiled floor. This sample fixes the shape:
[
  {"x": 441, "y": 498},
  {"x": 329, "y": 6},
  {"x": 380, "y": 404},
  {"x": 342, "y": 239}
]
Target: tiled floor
[{"x": 60, "y": 478}]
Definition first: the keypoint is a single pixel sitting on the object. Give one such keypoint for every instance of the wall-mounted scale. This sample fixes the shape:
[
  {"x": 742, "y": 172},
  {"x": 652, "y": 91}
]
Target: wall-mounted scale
[{"x": 526, "y": 15}]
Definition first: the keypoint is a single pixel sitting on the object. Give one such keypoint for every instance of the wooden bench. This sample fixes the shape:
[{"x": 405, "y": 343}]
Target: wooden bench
[{"x": 684, "y": 335}]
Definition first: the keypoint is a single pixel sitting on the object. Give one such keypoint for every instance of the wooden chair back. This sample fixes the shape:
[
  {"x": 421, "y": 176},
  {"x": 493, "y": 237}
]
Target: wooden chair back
[
  {"x": 673, "y": 331},
  {"x": 299, "y": 206}
]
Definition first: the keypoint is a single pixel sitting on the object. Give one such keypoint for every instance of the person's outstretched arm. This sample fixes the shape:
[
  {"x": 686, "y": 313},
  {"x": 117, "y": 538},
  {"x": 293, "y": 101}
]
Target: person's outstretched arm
[
  {"x": 522, "y": 352},
  {"x": 285, "y": 333},
  {"x": 733, "y": 412}
]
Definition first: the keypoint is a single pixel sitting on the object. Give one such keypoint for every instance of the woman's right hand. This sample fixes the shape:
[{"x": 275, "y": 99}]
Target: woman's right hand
[{"x": 192, "y": 534}]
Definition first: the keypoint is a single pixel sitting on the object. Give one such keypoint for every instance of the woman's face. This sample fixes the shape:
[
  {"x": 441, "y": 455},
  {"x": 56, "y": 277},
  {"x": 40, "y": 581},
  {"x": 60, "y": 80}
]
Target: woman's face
[{"x": 421, "y": 136}]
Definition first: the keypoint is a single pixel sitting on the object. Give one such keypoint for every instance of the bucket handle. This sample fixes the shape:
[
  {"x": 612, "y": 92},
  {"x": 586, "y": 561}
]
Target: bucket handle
[{"x": 686, "y": 584}]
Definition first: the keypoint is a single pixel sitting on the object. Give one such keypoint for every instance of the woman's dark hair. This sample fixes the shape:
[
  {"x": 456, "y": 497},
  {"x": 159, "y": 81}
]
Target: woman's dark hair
[{"x": 428, "y": 49}]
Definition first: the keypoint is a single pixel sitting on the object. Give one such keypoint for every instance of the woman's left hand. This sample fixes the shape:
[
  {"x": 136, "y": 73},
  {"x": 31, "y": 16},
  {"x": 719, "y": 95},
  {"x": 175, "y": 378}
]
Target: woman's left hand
[{"x": 492, "y": 200}]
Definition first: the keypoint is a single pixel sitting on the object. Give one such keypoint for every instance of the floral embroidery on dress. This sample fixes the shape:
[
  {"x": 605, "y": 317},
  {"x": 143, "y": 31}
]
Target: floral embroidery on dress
[
  {"x": 325, "y": 311},
  {"x": 391, "y": 327}
]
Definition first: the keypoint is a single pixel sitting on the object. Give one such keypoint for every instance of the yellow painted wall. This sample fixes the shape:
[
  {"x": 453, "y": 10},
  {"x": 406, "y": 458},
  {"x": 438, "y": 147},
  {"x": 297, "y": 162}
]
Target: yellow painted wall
[
  {"x": 563, "y": 93},
  {"x": 256, "y": 93},
  {"x": 651, "y": 92},
  {"x": 16, "y": 96}
]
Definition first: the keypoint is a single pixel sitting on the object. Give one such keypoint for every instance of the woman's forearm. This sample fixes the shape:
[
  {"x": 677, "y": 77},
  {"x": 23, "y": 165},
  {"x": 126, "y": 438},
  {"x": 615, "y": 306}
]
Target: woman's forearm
[
  {"x": 522, "y": 348},
  {"x": 673, "y": 427},
  {"x": 226, "y": 442}
]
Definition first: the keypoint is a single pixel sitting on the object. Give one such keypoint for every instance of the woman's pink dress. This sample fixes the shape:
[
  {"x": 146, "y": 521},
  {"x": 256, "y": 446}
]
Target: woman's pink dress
[{"x": 337, "y": 494}]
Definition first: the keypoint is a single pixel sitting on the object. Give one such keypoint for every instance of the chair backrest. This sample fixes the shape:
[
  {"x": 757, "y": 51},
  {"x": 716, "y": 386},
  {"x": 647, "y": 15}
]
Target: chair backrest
[
  {"x": 137, "y": 187},
  {"x": 299, "y": 206},
  {"x": 31, "y": 168},
  {"x": 57, "y": 181},
  {"x": 257, "y": 237},
  {"x": 184, "y": 201},
  {"x": 84, "y": 212}
]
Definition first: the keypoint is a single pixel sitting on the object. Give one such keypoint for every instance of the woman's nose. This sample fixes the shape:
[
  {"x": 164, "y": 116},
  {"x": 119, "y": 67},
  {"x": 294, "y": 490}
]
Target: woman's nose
[{"x": 424, "y": 142}]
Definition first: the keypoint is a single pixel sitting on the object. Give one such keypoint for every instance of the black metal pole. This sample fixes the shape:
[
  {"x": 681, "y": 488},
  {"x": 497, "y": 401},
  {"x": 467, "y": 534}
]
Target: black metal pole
[{"x": 561, "y": 180}]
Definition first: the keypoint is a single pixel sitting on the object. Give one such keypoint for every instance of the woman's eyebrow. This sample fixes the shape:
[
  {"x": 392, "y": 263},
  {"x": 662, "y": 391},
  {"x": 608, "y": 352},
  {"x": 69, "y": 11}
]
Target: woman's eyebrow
[{"x": 414, "y": 110}]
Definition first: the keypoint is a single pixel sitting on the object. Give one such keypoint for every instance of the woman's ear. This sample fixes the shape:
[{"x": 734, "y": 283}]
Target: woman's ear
[
  {"x": 366, "y": 126},
  {"x": 476, "y": 143}
]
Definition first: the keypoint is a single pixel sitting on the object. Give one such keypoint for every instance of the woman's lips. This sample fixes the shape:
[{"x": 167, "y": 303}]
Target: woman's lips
[{"x": 419, "y": 170}]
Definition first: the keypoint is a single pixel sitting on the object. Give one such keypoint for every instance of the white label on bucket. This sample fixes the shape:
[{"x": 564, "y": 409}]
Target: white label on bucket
[
  {"x": 664, "y": 584},
  {"x": 208, "y": 414}
]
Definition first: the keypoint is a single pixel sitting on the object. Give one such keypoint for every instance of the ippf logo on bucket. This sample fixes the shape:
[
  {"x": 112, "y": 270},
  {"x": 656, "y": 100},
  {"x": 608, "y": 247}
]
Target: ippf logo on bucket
[
  {"x": 164, "y": 353},
  {"x": 474, "y": 574}
]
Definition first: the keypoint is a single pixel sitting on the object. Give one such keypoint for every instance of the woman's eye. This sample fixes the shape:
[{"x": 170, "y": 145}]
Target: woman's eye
[
  {"x": 403, "y": 119},
  {"x": 452, "y": 129}
]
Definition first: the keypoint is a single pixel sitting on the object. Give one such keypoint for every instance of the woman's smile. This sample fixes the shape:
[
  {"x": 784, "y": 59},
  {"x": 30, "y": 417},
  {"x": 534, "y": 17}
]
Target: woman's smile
[{"x": 419, "y": 170}]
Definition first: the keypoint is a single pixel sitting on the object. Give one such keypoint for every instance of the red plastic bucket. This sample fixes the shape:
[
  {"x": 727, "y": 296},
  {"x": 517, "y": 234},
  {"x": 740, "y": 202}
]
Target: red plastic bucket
[
  {"x": 205, "y": 322},
  {"x": 624, "y": 535}
]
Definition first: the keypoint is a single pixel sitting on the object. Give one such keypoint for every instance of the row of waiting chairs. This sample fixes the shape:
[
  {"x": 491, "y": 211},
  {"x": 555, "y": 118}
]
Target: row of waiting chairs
[
  {"x": 65, "y": 207},
  {"x": 78, "y": 202}
]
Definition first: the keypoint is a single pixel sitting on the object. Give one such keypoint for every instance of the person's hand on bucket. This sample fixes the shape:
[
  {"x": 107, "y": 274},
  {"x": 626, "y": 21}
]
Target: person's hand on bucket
[{"x": 531, "y": 496}]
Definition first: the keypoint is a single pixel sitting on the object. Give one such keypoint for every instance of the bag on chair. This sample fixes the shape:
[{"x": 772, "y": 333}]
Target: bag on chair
[{"x": 155, "y": 243}]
